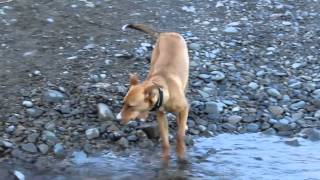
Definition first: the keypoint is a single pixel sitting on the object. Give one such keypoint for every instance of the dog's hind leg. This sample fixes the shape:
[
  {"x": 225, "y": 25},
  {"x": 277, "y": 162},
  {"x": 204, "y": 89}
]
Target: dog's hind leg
[{"x": 164, "y": 134}]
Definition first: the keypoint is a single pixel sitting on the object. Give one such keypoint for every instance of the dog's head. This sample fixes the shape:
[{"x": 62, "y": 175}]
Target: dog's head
[{"x": 138, "y": 101}]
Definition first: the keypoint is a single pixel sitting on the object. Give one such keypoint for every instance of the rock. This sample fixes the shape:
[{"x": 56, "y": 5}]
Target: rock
[
  {"x": 10, "y": 129},
  {"x": 34, "y": 112},
  {"x": 317, "y": 114},
  {"x": 59, "y": 151},
  {"x": 293, "y": 142},
  {"x": 282, "y": 125},
  {"x": 312, "y": 134},
  {"x": 53, "y": 96},
  {"x": 194, "y": 131},
  {"x": 92, "y": 133},
  {"x": 234, "y": 119},
  {"x": 32, "y": 138},
  {"x": 132, "y": 138},
  {"x": 276, "y": 110},
  {"x": 49, "y": 137},
  {"x": 43, "y": 148},
  {"x": 298, "y": 105},
  {"x": 29, "y": 147},
  {"x": 19, "y": 175},
  {"x": 270, "y": 131},
  {"x": 253, "y": 85},
  {"x": 229, "y": 127},
  {"x": 190, "y": 9},
  {"x": 194, "y": 46},
  {"x": 212, "y": 127},
  {"x": 104, "y": 112},
  {"x": 213, "y": 108},
  {"x": 5, "y": 144},
  {"x": 152, "y": 131},
  {"x": 50, "y": 126},
  {"x": 27, "y": 104},
  {"x": 123, "y": 142},
  {"x": 274, "y": 93},
  {"x": 252, "y": 127},
  {"x": 265, "y": 125},
  {"x": 65, "y": 109},
  {"x": 89, "y": 46},
  {"x": 189, "y": 140},
  {"x": 217, "y": 75},
  {"x": 79, "y": 157},
  {"x": 202, "y": 128},
  {"x": 230, "y": 29}
]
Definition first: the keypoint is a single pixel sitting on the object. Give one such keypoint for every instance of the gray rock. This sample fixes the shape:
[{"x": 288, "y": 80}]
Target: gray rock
[
  {"x": 274, "y": 93},
  {"x": 132, "y": 138},
  {"x": 32, "y": 138},
  {"x": 213, "y": 107},
  {"x": 202, "y": 128},
  {"x": 217, "y": 75},
  {"x": 5, "y": 144},
  {"x": 43, "y": 148},
  {"x": 229, "y": 127},
  {"x": 123, "y": 142},
  {"x": 50, "y": 126},
  {"x": 92, "y": 133},
  {"x": 34, "y": 112},
  {"x": 270, "y": 131},
  {"x": 79, "y": 157},
  {"x": 212, "y": 127},
  {"x": 27, "y": 104},
  {"x": 252, "y": 127},
  {"x": 298, "y": 105},
  {"x": 53, "y": 96},
  {"x": 59, "y": 151},
  {"x": 312, "y": 134},
  {"x": 276, "y": 110},
  {"x": 49, "y": 137},
  {"x": 253, "y": 85},
  {"x": 89, "y": 46},
  {"x": 293, "y": 142},
  {"x": 104, "y": 112},
  {"x": 29, "y": 147},
  {"x": 151, "y": 130},
  {"x": 265, "y": 125},
  {"x": 194, "y": 131},
  {"x": 10, "y": 129},
  {"x": 234, "y": 119},
  {"x": 230, "y": 29},
  {"x": 194, "y": 46},
  {"x": 317, "y": 114},
  {"x": 189, "y": 140},
  {"x": 282, "y": 125},
  {"x": 204, "y": 76}
]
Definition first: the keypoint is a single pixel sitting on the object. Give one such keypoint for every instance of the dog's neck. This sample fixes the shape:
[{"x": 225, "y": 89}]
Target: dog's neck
[
  {"x": 159, "y": 101},
  {"x": 162, "y": 96}
]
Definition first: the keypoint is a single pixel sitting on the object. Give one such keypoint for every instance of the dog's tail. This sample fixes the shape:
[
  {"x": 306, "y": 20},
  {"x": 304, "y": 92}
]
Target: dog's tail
[{"x": 140, "y": 27}]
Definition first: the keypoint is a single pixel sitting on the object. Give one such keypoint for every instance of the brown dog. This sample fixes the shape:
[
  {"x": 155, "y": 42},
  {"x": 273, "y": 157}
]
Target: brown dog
[{"x": 164, "y": 89}]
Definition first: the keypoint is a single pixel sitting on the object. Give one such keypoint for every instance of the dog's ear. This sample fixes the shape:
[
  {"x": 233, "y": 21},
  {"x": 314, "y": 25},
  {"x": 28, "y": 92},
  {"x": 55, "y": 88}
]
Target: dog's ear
[{"x": 134, "y": 79}]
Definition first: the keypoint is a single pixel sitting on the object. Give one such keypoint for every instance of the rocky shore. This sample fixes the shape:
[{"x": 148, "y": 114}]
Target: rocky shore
[{"x": 255, "y": 67}]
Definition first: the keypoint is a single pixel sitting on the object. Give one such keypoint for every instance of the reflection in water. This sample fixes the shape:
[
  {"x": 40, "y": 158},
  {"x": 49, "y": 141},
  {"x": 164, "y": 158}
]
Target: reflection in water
[{"x": 227, "y": 156}]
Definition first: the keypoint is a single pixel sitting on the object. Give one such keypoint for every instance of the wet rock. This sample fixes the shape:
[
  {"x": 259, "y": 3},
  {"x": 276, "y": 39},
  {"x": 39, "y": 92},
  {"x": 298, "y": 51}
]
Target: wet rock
[
  {"x": 317, "y": 114},
  {"x": 253, "y": 127},
  {"x": 276, "y": 110},
  {"x": 293, "y": 142},
  {"x": 79, "y": 157},
  {"x": 59, "y": 151},
  {"x": 132, "y": 138},
  {"x": 92, "y": 133},
  {"x": 189, "y": 140},
  {"x": 152, "y": 131},
  {"x": 194, "y": 131},
  {"x": 49, "y": 137},
  {"x": 194, "y": 46},
  {"x": 234, "y": 119},
  {"x": 270, "y": 131},
  {"x": 212, "y": 127},
  {"x": 265, "y": 125},
  {"x": 53, "y": 96},
  {"x": 123, "y": 142},
  {"x": 27, "y": 104},
  {"x": 5, "y": 144},
  {"x": 274, "y": 93},
  {"x": 50, "y": 126},
  {"x": 202, "y": 128},
  {"x": 282, "y": 125},
  {"x": 104, "y": 112},
  {"x": 229, "y": 127},
  {"x": 19, "y": 175},
  {"x": 253, "y": 85},
  {"x": 43, "y": 148},
  {"x": 29, "y": 147},
  {"x": 32, "y": 138},
  {"x": 311, "y": 133},
  {"x": 10, "y": 129},
  {"x": 298, "y": 105},
  {"x": 213, "y": 107}
]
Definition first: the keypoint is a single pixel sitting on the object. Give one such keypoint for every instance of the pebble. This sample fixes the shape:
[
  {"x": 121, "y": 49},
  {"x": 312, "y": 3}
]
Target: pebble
[
  {"x": 27, "y": 104},
  {"x": 49, "y": 137},
  {"x": 253, "y": 85},
  {"x": 59, "y": 150},
  {"x": 234, "y": 119},
  {"x": 276, "y": 110},
  {"x": 194, "y": 46},
  {"x": 274, "y": 93},
  {"x": 230, "y": 29},
  {"x": 211, "y": 108},
  {"x": 217, "y": 75},
  {"x": 252, "y": 127},
  {"x": 152, "y": 131},
  {"x": 43, "y": 148},
  {"x": 293, "y": 142},
  {"x": 53, "y": 96},
  {"x": 298, "y": 105},
  {"x": 32, "y": 138},
  {"x": 104, "y": 112},
  {"x": 123, "y": 142},
  {"x": 6, "y": 144},
  {"x": 92, "y": 133},
  {"x": 29, "y": 147},
  {"x": 317, "y": 114}
]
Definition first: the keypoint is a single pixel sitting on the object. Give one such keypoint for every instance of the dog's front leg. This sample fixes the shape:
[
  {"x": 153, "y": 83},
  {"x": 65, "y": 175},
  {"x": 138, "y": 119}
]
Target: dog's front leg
[
  {"x": 164, "y": 133},
  {"x": 182, "y": 126}
]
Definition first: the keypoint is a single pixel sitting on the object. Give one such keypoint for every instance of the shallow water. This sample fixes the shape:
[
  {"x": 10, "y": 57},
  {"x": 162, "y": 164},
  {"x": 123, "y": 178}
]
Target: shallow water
[{"x": 226, "y": 156}]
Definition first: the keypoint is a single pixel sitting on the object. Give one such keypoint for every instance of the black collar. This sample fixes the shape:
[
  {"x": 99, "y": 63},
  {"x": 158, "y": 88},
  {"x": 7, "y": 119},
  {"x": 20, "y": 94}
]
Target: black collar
[{"x": 158, "y": 104}]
